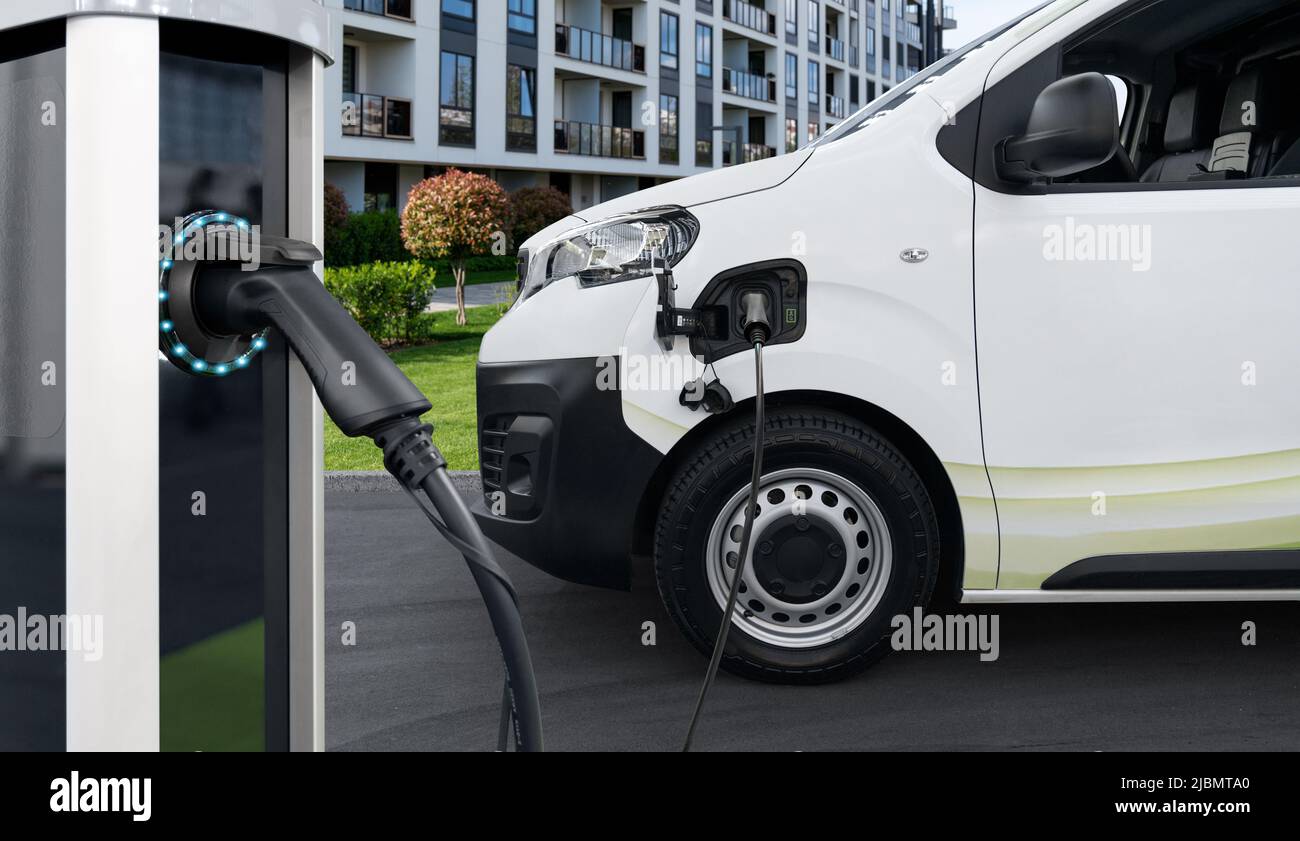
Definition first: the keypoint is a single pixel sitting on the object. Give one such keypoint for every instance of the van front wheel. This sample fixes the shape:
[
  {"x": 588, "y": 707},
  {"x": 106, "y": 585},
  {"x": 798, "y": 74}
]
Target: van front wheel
[{"x": 845, "y": 539}]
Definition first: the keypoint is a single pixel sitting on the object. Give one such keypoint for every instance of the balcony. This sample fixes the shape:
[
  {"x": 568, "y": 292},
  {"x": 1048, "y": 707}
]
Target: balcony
[
  {"x": 834, "y": 48},
  {"x": 949, "y": 17},
  {"x": 834, "y": 106},
  {"x": 742, "y": 153},
  {"x": 749, "y": 85},
  {"x": 572, "y": 138},
  {"x": 595, "y": 48},
  {"x": 749, "y": 16},
  {"x": 372, "y": 115},
  {"x": 400, "y": 9}
]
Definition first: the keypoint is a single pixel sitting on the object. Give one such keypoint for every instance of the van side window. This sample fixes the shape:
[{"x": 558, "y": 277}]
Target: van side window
[{"x": 1202, "y": 93}]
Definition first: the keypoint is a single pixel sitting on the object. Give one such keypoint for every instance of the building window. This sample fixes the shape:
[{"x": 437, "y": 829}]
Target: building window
[
  {"x": 667, "y": 129},
  {"x": 814, "y": 35},
  {"x": 521, "y": 16},
  {"x": 704, "y": 134},
  {"x": 814, "y": 71},
  {"x": 792, "y": 18},
  {"x": 521, "y": 108},
  {"x": 812, "y": 131},
  {"x": 456, "y": 97},
  {"x": 379, "y": 189},
  {"x": 459, "y": 8},
  {"x": 791, "y": 77},
  {"x": 703, "y": 51},
  {"x": 349, "y": 68},
  {"x": 668, "y": 40},
  {"x": 791, "y": 134},
  {"x": 389, "y": 8}
]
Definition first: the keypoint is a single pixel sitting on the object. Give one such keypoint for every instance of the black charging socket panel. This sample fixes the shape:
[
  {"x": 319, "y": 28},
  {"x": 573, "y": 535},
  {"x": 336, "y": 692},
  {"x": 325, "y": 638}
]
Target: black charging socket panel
[{"x": 720, "y": 331}]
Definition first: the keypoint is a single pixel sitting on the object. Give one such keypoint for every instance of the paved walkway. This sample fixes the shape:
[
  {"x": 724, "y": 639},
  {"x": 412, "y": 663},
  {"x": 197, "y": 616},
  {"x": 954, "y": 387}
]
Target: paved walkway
[{"x": 476, "y": 295}]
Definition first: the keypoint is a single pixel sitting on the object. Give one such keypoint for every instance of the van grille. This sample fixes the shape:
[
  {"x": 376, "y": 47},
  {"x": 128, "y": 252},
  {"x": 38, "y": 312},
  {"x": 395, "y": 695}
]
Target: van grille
[{"x": 492, "y": 451}]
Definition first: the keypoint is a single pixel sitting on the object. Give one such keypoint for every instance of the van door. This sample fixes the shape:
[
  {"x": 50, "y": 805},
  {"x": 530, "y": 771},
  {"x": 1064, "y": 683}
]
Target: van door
[{"x": 1139, "y": 369}]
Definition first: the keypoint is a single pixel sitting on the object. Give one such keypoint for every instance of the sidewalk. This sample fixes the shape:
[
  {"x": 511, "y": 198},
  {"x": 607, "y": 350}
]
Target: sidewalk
[{"x": 476, "y": 295}]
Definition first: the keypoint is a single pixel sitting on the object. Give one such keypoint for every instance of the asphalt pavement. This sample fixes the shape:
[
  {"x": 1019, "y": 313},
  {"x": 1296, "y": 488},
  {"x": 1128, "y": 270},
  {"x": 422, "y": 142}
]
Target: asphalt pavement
[{"x": 424, "y": 673}]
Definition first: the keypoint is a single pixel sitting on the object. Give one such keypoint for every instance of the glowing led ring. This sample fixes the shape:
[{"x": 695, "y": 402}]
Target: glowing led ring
[{"x": 171, "y": 343}]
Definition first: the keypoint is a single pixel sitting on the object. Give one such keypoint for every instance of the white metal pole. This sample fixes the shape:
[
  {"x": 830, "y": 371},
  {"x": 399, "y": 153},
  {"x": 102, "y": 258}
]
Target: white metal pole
[{"x": 112, "y": 377}]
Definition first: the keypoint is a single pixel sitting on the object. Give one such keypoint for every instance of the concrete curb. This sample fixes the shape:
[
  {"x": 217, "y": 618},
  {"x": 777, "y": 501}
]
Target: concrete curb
[{"x": 379, "y": 481}]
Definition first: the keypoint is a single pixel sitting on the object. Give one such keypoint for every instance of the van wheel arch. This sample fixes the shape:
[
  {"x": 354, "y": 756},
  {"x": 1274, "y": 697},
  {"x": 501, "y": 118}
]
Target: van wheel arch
[{"x": 918, "y": 452}]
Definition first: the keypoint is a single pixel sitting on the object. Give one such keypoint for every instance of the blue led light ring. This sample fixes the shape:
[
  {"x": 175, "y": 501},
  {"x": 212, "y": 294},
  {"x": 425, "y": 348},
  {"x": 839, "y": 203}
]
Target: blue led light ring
[{"x": 171, "y": 340}]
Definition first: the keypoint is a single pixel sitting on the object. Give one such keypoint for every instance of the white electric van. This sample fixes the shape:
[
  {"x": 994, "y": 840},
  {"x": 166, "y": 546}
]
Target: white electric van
[{"x": 1036, "y": 341}]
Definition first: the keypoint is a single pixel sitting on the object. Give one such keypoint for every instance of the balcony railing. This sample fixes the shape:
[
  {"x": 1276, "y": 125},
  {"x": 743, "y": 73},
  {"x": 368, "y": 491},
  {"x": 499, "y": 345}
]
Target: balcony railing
[
  {"x": 372, "y": 115},
  {"x": 585, "y": 45},
  {"x": 853, "y": 56},
  {"x": 834, "y": 106},
  {"x": 572, "y": 138},
  {"x": 742, "y": 153},
  {"x": 749, "y": 16},
  {"x": 835, "y": 48},
  {"x": 749, "y": 85}
]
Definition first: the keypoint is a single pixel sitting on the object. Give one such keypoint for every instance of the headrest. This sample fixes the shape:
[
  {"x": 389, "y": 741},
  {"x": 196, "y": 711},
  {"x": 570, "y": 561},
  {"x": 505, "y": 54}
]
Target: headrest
[
  {"x": 1184, "y": 123},
  {"x": 1248, "y": 105}
]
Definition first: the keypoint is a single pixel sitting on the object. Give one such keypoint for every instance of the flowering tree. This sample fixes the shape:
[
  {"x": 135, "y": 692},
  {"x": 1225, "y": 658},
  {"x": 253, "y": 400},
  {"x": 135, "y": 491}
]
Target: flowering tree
[{"x": 456, "y": 215}]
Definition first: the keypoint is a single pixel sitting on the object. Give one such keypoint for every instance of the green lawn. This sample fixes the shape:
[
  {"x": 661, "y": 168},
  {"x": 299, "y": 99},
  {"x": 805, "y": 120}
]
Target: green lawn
[{"x": 444, "y": 371}]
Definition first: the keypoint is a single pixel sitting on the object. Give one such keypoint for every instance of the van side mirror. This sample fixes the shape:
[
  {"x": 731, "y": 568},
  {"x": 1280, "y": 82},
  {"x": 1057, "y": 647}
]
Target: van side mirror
[{"x": 1073, "y": 127}]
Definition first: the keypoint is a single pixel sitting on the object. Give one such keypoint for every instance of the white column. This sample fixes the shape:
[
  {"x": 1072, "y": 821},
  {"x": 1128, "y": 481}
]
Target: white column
[
  {"x": 112, "y": 377},
  {"x": 306, "y": 426}
]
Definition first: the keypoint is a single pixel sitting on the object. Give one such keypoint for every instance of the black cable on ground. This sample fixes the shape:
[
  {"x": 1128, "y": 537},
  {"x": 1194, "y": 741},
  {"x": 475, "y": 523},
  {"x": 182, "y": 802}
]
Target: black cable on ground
[
  {"x": 721, "y": 643},
  {"x": 499, "y": 597}
]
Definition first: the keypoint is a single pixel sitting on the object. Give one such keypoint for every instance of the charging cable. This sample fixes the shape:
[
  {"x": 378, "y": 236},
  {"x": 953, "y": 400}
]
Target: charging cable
[{"x": 757, "y": 330}]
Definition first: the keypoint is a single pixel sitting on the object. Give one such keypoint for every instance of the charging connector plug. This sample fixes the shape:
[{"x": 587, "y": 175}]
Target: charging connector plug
[{"x": 756, "y": 317}]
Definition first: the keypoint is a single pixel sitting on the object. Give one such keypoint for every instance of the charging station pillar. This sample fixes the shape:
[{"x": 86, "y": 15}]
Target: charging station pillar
[{"x": 164, "y": 530}]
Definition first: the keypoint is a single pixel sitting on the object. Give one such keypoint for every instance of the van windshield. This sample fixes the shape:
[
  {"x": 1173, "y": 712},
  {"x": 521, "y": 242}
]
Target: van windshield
[{"x": 900, "y": 94}]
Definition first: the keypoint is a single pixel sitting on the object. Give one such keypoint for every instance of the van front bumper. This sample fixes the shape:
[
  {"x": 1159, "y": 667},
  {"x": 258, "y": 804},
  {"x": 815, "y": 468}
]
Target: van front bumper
[{"x": 562, "y": 474}]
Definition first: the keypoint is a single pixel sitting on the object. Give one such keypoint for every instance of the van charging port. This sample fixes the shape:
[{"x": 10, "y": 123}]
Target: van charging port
[{"x": 716, "y": 324}]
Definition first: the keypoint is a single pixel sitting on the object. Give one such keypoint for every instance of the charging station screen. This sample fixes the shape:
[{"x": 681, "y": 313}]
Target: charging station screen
[{"x": 223, "y": 497}]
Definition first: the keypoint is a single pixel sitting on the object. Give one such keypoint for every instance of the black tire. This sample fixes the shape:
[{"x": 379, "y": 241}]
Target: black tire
[{"x": 795, "y": 438}]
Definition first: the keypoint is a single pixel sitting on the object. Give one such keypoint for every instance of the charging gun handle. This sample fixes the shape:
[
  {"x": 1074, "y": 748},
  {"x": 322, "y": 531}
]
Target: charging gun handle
[{"x": 358, "y": 384}]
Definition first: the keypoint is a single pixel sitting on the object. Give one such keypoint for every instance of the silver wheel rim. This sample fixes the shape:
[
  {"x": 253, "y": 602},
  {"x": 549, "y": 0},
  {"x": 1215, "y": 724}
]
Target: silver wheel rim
[{"x": 841, "y": 510}]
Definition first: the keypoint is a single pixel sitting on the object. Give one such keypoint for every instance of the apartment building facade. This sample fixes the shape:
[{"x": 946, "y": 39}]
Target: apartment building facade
[{"x": 600, "y": 98}]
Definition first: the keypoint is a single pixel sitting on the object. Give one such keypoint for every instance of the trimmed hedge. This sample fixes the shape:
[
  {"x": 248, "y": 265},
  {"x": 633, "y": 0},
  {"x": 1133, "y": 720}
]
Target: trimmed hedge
[
  {"x": 387, "y": 299},
  {"x": 371, "y": 237}
]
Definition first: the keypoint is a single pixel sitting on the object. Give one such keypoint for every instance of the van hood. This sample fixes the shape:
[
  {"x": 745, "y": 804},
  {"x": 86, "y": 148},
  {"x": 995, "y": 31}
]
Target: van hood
[{"x": 709, "y": 186}]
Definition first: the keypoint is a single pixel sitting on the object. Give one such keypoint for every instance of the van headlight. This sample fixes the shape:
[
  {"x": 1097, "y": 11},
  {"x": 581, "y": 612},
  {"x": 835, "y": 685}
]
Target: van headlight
[{"x": 613, "y": 250}]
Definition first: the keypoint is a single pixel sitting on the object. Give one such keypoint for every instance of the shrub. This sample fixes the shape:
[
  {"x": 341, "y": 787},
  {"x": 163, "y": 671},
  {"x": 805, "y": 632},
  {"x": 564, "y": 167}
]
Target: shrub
[
  {"x": 533, "y": 208},
  {"x": 370, "y": 237},
  {"x": 336, "y": 214},
  {"x": 455, "y": 215},
  {"x": 387, "y": 299}
]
